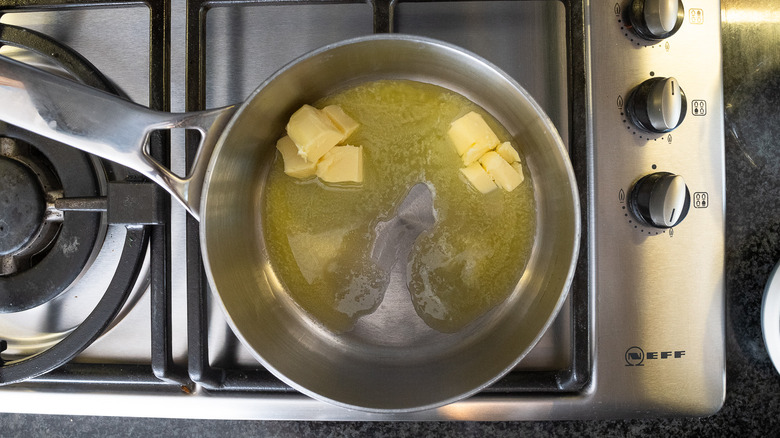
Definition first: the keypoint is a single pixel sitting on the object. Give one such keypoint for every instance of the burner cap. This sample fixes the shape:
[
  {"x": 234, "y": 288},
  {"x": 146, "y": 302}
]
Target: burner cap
[
  {"x": 22, "y": 205},
  {"x": 48, "y": 251}
]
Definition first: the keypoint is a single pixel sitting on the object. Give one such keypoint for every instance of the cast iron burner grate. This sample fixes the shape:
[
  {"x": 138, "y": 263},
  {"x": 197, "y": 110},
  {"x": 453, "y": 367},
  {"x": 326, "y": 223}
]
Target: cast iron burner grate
[
  {"x": 51, "y": 367},
  {"x": 71, "y": 190},
  {"x": 569, "y": 379}
]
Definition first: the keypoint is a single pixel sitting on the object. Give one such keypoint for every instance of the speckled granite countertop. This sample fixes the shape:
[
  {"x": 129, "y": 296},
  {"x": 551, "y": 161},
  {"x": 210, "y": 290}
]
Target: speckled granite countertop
[{"x": 751, "y": 48}]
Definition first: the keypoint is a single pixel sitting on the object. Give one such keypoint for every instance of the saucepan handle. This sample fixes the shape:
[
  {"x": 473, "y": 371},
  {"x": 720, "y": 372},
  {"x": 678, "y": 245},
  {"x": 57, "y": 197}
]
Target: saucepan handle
[{"x": 105, "y": 125}]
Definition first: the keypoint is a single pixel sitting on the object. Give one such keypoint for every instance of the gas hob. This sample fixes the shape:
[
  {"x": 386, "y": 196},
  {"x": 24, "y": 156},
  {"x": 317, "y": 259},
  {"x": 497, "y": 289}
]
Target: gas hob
[{"x": 131, "y": 330}]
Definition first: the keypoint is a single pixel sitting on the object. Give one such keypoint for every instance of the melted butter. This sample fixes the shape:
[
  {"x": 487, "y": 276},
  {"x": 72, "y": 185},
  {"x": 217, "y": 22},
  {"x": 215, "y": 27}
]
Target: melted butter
[{"x": 320, "y": 237}]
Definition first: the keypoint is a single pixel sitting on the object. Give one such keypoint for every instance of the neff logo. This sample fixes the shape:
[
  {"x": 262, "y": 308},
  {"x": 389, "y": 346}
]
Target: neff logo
[{"x": 635, "y": 356}]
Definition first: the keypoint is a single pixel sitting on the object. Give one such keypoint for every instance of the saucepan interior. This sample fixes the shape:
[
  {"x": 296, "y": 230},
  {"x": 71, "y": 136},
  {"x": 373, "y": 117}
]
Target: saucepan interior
[{"x": 359, "y": 369}]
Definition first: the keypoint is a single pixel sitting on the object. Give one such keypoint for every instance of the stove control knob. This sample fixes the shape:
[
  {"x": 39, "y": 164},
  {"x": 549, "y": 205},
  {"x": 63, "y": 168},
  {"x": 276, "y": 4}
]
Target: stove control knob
[
  {"x": 660, "y": 199},
  {"x": 657, "y": 105},
  {"x": 656, "y": 19}
]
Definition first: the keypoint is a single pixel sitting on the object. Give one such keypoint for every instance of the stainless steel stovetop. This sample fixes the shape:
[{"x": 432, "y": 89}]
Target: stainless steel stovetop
[{"x": 642, "y": 333}]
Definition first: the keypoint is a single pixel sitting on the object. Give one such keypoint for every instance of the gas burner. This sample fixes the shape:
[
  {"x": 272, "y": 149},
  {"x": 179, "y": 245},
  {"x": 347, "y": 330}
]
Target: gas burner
[
  {"x": 45, "y": 249},
  {"x": 25, "y": 187},
  {"x": 22, "y": 208},
  {"x": 70, "y": 270}
]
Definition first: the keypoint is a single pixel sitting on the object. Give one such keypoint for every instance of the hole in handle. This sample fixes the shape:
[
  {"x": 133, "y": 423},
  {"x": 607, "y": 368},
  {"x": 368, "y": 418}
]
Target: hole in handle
[{"x": 176, "y": 138}]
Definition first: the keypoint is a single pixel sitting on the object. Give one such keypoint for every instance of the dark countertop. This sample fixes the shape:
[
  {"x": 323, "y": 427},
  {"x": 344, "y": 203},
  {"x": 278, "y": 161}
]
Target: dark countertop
[{"x": 751, "y": 41}]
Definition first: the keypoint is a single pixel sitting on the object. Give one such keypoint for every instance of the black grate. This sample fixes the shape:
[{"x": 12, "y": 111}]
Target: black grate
[
  {"x": 566, "y": 380},
  {"x": 147, "y": 227},
  {"x": 162, "y": 373}
]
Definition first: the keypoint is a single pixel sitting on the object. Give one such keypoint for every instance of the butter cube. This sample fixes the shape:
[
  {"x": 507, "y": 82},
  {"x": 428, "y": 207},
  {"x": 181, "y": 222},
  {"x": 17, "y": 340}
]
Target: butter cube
[
  {"x": 313, "y": 133},
  {"x": 479, "y": 178},
  {"x": 342, "y": 164},
  {"x": 519, "y": 168},
  {"x": 294, "y": 165},
  {"x": 508, "y": 153},
  {"x": 472, "y": 137},
  {"x": 504, "y": 175},
  {"x": 346, "y": 124}
]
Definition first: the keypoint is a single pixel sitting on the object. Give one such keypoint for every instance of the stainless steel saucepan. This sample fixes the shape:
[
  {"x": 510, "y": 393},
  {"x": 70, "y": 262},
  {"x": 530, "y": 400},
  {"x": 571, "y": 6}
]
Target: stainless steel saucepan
[{"x": 385, "y": 370}]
